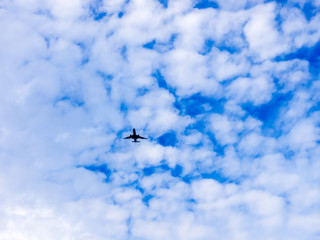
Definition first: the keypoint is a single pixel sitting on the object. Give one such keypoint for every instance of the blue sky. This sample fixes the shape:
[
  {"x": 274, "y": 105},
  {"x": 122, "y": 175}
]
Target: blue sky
[{"x": 227, "y": 93}]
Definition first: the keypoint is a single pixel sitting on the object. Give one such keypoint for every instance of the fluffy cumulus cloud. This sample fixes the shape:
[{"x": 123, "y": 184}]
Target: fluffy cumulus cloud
[{"x": 227, "y": 93}]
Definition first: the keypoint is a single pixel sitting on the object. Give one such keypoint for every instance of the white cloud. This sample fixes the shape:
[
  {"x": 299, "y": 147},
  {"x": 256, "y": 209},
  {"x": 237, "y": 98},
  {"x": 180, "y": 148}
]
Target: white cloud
[
  {"x": 263, "y": 204},
  {"x": 186, "y": 70},
  {"x": 225, "y": 65},
  {"x": 261, "y": 33},
  {"x": 305, "y": 223},
  {"x": 225, "y": 130},
  {"x": 194, "y": 138},
  {"x": 303, "y": 135},
  {"x": 149, "y": 155},
  {"x": 19, "y": 43},
  {"x": 257, "y": 90},
  {"x": 157, "y": 112},
  {"x": 292, "y": 73},
  {"x": 207, "y": 190},
  {"x": 113, "y": 6},
  {"x": 298, "y": 30},
  {"x": 71, "y": 10},
  {"x": 69, "y": 85},
  {"x": 254, "y": 143}
]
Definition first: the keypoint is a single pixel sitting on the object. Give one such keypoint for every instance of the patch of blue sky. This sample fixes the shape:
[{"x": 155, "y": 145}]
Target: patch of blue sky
[
  {"x": 277, "y": 1},
  {"x": 123, "y": 52},
  {"x": 215, "y": 175},
  {"x": 105, "y": 76},
  {"x": 44, "y": 12},
  {"x": 122, "y": 133},
  {"x": 160, "y": 79},
  {"x": 84, "y": 50},
  {"x": 147, "y": 198},
  {"x": 278, "y": 21},
  {"x": 96, "y": 4},
  {"x": 197, "y": 104},
  {"x": 314, "y": 108},
  {"x": 217, "y": 147},
  {"x": 123, "y": 108},
  {"x": 101, "y": 169},
  {"x": 150, "y": 45},
  {"x": 73, "y": 101},
  {"x": 161, "y": 47},
  {"x": 47, "y": 40},
  {"x": 191, "y": 204},
  {"x": 95, "y": 10},
  {"x": 142, "y": 91},
  {"x": 109, "y": 34},
  {"x": 178, "y": 105},
  {"x": 99, "y": 16},
  {"x": 162, "y": 82},
  {"x": 307, "y": 7},
  {"x": 173, "y": 37},
  {"x": 203, "y": 4},
  {"x": 129, "y": 223},
  {"x": 84, "y": 61},
  {"x": 288, "y": 154},
  {"x": 268, "y": 113},
  {"x": 115, "y": 147},
  {"x": 175, "y": 172},
  {"x": 226, "y": 45},
  {"x": 309, "y": 10},
  {"x": 168, "y": 139},
  {"x": 230, "y": 46},
  {"x": 134, "y": 184},
  {"x": 164, "y": 3},
  {"x": 82, "y": 46},
  {"x": 207, "y": 46},
  {"x": 107, "y": 79},
  {"x": 148, "y": 171},
  {"x": 201, "y": 126},
  {"x": 311, "y": 54}
]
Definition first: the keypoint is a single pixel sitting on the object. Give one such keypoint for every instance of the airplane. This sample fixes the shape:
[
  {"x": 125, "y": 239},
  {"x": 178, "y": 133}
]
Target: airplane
[{"x": 134, "y": 136}]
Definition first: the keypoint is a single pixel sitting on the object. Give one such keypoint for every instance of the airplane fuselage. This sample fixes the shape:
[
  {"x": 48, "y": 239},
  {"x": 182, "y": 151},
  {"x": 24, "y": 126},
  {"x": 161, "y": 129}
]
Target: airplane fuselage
[{"x": 135, "y": 136}]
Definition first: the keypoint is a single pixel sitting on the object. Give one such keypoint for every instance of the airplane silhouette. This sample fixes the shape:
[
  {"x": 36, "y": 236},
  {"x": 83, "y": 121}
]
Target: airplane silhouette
[{"x": 134, "y": 136}]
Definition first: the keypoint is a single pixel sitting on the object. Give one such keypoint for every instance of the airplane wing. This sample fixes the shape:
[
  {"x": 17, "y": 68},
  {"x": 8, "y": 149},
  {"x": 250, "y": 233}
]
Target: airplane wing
[
  {"x": 142, "y": 137},
  {"x": 127, "y": 137}
]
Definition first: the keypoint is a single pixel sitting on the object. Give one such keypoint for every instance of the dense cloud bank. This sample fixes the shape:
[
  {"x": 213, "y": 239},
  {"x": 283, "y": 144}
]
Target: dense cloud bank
[{"x": 227, "y": 92}]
